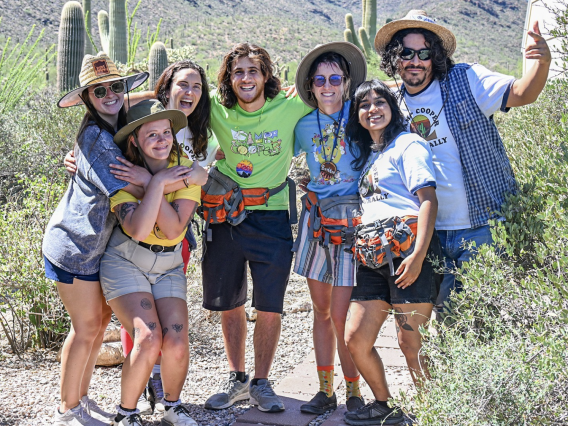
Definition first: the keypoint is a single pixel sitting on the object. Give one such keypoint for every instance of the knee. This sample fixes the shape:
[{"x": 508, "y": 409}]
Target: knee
[
  {"x": 147, "y": 341},
  {"x": 321, "y": 313},
  {"x": 176, "y": 349},
  {"x": 356, "y": 343},
  {"x": 409, "y": 346},
  {"x": 88, "y": 328}
]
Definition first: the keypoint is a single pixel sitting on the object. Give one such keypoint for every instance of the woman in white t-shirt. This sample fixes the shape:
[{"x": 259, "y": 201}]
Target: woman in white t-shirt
[{"x": 397, "y": 180}]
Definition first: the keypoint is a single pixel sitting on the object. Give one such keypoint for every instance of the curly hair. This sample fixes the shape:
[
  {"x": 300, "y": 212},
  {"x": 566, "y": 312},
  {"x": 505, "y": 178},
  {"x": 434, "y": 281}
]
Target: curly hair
[
  {"x": 198, "y": 121},
  {"x": 330, "y": 58},
  {"x": 441, "y": 63},
  {"x": 361, "y": 144},
  {"x": 256, "y": 54}
]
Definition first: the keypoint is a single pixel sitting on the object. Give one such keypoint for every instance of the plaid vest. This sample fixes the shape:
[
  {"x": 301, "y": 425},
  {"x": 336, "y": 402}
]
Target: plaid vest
[{"x": 486, "y": 169}]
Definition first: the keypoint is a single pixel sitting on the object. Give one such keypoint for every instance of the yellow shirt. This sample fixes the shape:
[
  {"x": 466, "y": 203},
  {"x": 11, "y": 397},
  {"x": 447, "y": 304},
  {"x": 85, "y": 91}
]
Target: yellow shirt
[{"x": 156, "y": 236}]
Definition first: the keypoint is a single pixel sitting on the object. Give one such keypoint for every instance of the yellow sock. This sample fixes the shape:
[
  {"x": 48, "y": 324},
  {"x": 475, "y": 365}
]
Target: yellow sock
[
  {"x": 325, "y": 375},
  {"x": 352, "y": 386}
]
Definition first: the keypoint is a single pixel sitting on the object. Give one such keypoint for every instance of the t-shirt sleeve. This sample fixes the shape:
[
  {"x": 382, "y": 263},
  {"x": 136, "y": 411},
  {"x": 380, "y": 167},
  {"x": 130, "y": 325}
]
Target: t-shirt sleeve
[
  {"x": 416, "y": 167},
  {"x": 121, "y": 197},
  {"x": 99, "y": 173},
  {"x": 490, "y": 89},
  {"x": 297, "y": 140}
]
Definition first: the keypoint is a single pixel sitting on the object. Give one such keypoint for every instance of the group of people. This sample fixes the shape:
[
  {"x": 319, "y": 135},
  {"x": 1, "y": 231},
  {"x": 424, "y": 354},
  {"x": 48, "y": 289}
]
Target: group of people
[{"x": 423, "y": 160}]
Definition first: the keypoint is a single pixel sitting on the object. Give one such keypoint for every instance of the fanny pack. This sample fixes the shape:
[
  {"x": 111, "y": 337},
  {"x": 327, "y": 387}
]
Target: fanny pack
[
  {"x": 378, "y": 243},
  {"x": 331, "y": 220}
]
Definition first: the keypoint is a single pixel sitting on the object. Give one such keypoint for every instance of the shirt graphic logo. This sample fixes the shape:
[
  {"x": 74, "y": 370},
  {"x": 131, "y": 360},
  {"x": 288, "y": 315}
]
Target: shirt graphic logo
[
  {"x": 249, "y": 143},
  {"x": 244, "y": 169}
]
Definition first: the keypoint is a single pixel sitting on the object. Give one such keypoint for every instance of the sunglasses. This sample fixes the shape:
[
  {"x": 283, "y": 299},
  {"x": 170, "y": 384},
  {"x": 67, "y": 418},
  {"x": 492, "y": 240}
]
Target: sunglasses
[
  {"x": 334, "y": 80},
  {"x": 101, "y": 91},
  {"x": 408, "y": 54}
]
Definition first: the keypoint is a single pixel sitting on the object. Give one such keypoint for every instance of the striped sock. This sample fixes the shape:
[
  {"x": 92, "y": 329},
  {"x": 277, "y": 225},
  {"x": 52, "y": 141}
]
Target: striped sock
[
  {"x": 352, "y": 386},
  {"x": 325, "y": 375}
]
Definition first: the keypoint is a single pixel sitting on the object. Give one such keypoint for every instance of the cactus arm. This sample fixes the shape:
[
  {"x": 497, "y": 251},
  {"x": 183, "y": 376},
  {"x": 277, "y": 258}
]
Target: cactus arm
[
  {"x": 348, "y": 36},
  {"x": 102, "y": 18},
  {"x": 366, "y": 44}
]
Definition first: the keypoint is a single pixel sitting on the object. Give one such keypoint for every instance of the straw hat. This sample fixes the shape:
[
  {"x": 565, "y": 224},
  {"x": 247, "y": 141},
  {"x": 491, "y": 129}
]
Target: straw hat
[
  {"x": 144, "y": 112},
  {"x": 414, "y": 19},
  {"x": 98, "y": 69},
  {"x": 352, "y": 54}
]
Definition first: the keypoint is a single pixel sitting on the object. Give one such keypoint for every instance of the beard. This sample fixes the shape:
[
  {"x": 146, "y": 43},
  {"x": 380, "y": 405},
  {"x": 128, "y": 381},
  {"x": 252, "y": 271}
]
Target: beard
[{"x": 414, "y": 80}]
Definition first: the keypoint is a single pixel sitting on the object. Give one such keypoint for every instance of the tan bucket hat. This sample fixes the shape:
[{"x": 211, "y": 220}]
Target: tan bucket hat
[
  {"x": 98, "y": 69},
  {"x": 414, "y": 19},
  {"x": 352, "y": 54},
  {"x": 144, "y": 112}
]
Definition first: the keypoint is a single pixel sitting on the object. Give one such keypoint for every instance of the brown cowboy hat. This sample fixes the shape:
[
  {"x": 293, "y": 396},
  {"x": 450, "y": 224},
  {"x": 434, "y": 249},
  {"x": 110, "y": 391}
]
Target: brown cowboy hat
[
  {"x": 99, "y": 69},
  {"x": 352, "y": 54},
  {"x": 414, "y": 19}
]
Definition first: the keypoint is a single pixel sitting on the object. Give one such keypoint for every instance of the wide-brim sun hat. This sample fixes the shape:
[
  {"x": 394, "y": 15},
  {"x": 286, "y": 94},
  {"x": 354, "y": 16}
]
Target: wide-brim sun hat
[
  {"x": 352, "y": 54},
  {"x": 145, "y": 112},
  {"x": 95, "y": 70},
  {"x": 414, "y": 19}
]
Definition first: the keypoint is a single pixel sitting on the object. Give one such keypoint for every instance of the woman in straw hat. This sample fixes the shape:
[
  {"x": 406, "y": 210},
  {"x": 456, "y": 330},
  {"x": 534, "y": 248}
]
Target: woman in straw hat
[
  {"x": 142, "y": 273},
  {"x": 79, "y": 229},
  {"x": 325, "y": 79}
]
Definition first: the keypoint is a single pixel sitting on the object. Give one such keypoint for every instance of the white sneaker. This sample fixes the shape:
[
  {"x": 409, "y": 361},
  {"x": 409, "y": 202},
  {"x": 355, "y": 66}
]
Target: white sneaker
[
  {"x": 144, "y": 405},
  {"x": 178, "y": 416},
  {"x": 132, "y": 420},
  {"x": 156, "y": 392},
  {"x": 76, "y": 416},
  {"x": 94, "y": 410}
]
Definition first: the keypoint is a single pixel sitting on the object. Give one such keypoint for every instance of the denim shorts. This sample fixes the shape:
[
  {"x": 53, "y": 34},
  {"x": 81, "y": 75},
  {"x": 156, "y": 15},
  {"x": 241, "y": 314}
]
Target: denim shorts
[
  {"x": 55, "y": 273},
  {"x": 378, "y": 284}
]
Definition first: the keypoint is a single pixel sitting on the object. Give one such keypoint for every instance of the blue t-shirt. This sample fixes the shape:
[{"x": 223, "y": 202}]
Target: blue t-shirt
[
  {"x": 329, "y": 161},
  {"x": 78, "y": 232}
]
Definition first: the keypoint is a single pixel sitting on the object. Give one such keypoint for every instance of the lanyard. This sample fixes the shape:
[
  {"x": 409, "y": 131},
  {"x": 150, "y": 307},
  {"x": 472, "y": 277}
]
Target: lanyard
[{"x": 336, "y": 133}]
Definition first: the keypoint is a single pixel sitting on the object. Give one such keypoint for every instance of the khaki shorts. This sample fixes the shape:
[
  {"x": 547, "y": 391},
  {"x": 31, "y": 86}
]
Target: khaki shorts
[{"x": 128, "y": 268}]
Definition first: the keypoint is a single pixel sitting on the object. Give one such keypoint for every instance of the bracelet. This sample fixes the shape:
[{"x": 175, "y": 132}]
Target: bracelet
[{"x": 185, "y": 183}]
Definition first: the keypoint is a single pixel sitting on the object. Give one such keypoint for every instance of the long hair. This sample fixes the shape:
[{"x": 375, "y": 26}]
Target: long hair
[
  {"x": 256, "y": 54},
  {"x": 330, "y": 58},
  {"x": 92, "y": 116},
  {"x": 361, "y": 143},
  {"x": 441, "y": 63},
  {"x": 199, "y": 121},
  {"x": 133, "y": 155}
]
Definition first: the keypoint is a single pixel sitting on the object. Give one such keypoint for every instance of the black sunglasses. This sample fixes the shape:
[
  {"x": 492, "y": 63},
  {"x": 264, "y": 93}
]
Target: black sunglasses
[
  {"x": 408, "y": 54},
  {"x": 334, "y": 80},
  {"x": 101, "y": 91}
]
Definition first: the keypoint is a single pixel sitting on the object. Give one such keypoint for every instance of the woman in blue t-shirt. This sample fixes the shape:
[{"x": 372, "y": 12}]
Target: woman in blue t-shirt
[{"x": 326, "y": 77}]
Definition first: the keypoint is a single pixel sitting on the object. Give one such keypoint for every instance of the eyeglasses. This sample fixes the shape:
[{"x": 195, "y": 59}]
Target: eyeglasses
[
  {"x": 101, "y": 91},
  {"x": 334, "y": 80},
  {"x": 408, "y": 54}
]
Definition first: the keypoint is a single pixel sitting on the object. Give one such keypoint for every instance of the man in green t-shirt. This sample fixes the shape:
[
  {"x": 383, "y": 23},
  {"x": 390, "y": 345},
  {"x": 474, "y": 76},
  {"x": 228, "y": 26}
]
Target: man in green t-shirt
[{"x": 254, "y": 124}]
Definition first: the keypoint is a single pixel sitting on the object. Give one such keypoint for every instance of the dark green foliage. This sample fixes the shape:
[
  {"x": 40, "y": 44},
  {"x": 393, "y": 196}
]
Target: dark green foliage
[{"x": 71, "y": 46}]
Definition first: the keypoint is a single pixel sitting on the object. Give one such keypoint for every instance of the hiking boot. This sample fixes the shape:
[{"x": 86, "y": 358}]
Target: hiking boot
[
  {"x": 144, "y": 405},
  {"x": 76, "y": 416},
  {"x": 156, "y": 392},
  {"x": 320, "y": 403},
  {"x": 374, "y": 414},
  {"x": 354, "y": 403},
  {"x": 230, "y": 391},
  {"x": 132, "y": 420},
  {"x": 264, "y": 397},
  {"x": 178, "y": 416},
  {"x": 93, "y": 410}
]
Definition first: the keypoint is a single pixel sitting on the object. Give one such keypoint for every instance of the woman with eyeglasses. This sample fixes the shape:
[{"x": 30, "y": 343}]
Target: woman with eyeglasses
[
  {"x": 325, "y": 79},
  {"x": 397, "y": 186}
]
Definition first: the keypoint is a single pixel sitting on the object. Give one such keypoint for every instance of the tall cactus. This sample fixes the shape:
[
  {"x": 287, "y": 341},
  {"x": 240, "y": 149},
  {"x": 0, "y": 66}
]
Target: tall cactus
[
  {"x": 157, "y": 63},
  {"x": 102, "y": 18},
  {"x": 349, "y": 25},
  {"x": 370, "y": 19},
  {"x": 71, "y": 46},
  {"x": 117, "y": 42},
  {"x": 88, "y": 20},
  {"x": 369, "y": 10}
]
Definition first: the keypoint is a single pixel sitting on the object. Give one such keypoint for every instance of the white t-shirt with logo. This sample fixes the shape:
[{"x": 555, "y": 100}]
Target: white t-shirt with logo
[
  {"x": 185, "y": 138},
  {"x": 393, "y": 176},
  {"x": 488, "y": 89}
]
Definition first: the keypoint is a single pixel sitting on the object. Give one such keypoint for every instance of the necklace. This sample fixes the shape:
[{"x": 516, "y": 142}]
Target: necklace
[{"x": 328, "y": 168}]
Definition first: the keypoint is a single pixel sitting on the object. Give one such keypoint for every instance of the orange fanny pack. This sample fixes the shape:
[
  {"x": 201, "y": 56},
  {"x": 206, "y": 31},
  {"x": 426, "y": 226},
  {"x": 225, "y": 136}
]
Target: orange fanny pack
[{"x": 378, "y": 243}]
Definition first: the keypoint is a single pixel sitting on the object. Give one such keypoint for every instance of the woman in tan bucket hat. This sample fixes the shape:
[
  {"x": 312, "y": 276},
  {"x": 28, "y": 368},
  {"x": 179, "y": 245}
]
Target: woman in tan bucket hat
[{"x": 79, "y": 229}]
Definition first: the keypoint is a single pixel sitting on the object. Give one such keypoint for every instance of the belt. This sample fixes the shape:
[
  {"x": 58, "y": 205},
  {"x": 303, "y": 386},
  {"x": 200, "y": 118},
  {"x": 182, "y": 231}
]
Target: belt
[{"x": 155, "y": 248}]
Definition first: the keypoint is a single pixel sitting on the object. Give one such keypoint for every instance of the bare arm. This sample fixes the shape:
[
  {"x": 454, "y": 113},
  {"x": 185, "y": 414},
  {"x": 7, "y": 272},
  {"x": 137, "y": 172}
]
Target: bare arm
[
  {"x": 139, "y": 97},
  {"x": 527, "y": 89},
  {"x": 175, "y": 217}
]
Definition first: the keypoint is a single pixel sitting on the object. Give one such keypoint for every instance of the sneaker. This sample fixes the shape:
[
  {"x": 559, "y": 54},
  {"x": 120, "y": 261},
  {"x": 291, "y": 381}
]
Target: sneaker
[
  {"x": 76, "y": 416},
  {"x": 354, "y": 403},
  {"x": 264, "y": 397},
  {"x": 132, "y": 420},
  {"x": 320, "y": 404},
  {"x": 178, "y": 416},
  {"x": 156, "y": 392},
  {"x": 374, "y": 414},
  {"x": 94, "y": 410},
  {"x": 231, "y": 391},
  {"x": 144, "y": 405}
]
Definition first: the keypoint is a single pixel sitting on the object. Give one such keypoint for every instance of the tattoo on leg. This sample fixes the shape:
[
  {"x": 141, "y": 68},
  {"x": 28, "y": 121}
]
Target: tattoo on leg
[
  {"x": 151, "y": 325},
  {"x": 146, "y": 304},
  {"x": 135, "y": 332},
  {"x": 138, "y": 347},
  {"x": 177, "y": 327},
  {"x": 400, "y": 319},
  {"x": 164, "y": 332},
  {"x": 348, "y": 317},
  {"x": 166, "y": 395}
]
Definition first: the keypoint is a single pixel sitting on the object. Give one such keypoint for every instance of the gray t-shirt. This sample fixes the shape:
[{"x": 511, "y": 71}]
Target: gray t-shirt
[{"x": 78, "y": 232}]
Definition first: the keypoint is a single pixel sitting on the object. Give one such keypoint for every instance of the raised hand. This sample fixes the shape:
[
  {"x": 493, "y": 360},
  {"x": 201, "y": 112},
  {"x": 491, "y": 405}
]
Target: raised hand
[
  {"x": 130, "y": 173},
  {"x": 537, "y": 47},
  {"x": 70, "y": 163}
]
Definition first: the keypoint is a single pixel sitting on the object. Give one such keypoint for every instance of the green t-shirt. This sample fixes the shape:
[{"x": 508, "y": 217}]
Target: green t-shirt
[{"x": 259, "y": 145}]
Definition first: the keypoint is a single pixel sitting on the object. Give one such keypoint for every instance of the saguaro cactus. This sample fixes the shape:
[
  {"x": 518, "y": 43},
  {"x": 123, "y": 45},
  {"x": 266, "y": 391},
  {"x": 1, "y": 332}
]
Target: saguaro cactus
[
  {"x": 370, "y": 19},
  {"x": 88, "y": 20},
  {"x": 349, "y": 26},
  {"x": 102, "y": 18},
  {"x": 117, "y": 43},
  {"x": 157, "y": 63},
  {"x": 369, "y": 9},
  {"x": 71, "y": 46},
  {"x": 367, "y": 48}
]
